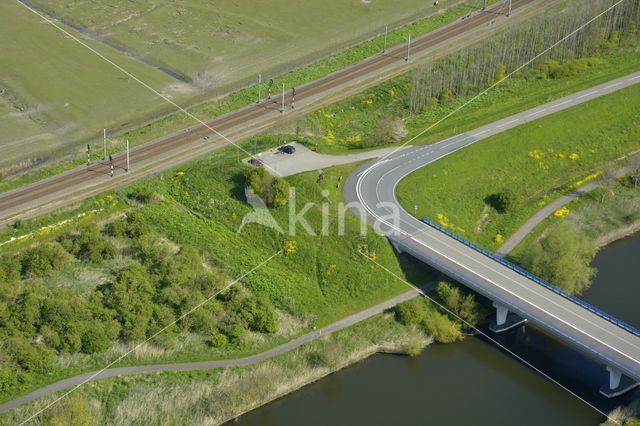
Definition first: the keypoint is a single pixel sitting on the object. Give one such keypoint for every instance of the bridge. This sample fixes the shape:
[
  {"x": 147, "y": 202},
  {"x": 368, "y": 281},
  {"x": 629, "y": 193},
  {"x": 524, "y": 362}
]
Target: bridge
[{"x": 516, "y": 294}]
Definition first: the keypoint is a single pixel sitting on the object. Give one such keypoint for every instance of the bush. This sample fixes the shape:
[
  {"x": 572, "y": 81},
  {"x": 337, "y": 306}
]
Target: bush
[
  {"x": 43, "y": 260},
  {"x": 117, "y": 228},
  {"x": 273, "y": 190},
  {"x": 218, "y": 340},
  {"x": 502, "y": 201},
  {"x": 28, "y": 356},
  {"x": 9, "y": 269},
  {"x": 441, "y": 328},
  {"x": 137, "y": 225},
  {"x": 415, "y": 343},
  {"x": 89, "y": 245},
  {"x": 143, "y": 194},
  {"x": 411, "y": 312}
]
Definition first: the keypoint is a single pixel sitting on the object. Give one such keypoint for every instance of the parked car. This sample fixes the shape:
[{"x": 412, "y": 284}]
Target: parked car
[
  {"x": 257, "y": 162},
  {"x": 287, "y": 149}
]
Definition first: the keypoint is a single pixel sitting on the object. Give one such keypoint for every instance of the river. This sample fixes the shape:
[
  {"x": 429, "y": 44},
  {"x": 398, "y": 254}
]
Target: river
[{"x": 475, "y": 382}]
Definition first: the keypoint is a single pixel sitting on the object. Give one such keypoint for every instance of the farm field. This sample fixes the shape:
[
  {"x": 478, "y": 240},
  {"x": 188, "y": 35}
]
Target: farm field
[
  {"x": 186, "y": 51},
  {"x": 536, "y": 162},
  {"x": 54, "y": 91},
  {"x": 213, "y": 44}
]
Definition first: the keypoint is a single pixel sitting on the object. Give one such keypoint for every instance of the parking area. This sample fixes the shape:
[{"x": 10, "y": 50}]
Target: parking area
[{"x": 305, "y": 160}]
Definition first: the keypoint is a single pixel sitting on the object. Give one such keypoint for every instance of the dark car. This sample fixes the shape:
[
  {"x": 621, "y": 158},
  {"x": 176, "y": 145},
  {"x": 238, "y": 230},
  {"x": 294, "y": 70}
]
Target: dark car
[
  {"x": 287, "y": 149},
  {"x": 257, "y": 162}
]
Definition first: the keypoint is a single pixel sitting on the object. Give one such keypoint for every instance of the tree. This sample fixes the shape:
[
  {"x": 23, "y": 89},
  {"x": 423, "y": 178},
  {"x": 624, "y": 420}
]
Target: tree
[
  {"x": 411, "y": 312},
  {"x": 502, "y": 201},
  {"x": 563, "y": 258},
  {"x": 460, "y": 304}
]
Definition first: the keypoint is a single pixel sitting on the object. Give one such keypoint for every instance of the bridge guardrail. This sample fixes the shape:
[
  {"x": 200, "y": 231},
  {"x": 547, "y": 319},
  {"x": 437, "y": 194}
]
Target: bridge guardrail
[{"x": 535, "y": 278}]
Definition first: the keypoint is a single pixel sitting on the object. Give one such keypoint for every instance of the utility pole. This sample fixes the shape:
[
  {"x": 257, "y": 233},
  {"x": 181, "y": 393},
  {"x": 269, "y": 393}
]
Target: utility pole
[
  {"x": 282, "y": 104},
  {"x": 409, "y": 48},
  {"x": 386, "y": 31},
  {"x": 293, "y": 98},
  {"x": 484, "y": 6},
  {"x": 104, "y": 143},
  {"x": 88, "y": 154},
  {"x": 509, "y": 12},
  {"x": 259, "y": 87},
  {"x": 127, "y": 150}
]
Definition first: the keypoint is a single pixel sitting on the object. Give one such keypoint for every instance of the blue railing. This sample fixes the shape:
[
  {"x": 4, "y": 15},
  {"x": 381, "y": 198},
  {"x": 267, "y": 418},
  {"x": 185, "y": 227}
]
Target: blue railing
[{"x": 532, "y": 277}]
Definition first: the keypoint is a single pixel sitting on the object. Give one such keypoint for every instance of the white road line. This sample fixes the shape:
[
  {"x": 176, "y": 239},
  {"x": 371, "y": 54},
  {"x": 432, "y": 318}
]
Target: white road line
[
  {"x": 507, "y": 123},
  {"x": 480, "y": 133},
  {"x": 561, "y": 103},
  {"x": 633, "y": 78},
  {"x": 611, "y": 85},
  {"x": 537, "y": 112}
]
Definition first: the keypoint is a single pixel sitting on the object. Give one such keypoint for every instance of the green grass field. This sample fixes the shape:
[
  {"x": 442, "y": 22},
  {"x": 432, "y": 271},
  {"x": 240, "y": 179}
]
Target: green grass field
[
  {"x": 202, "y": 204},
  {"x": 537, "y": 161},
  {"x": 55, "y": 91},
  {"x": 218, "y": 43},
  {"x": 341, "y": 127},
  {"x": 70, "y": 94}
]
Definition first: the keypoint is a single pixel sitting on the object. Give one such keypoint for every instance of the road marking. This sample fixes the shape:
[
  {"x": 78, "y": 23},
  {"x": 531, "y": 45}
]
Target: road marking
[
  {"x": 537, "y": 112},
  {"x": 480, "y": 133},
  {"x": 391, "y": 226},
  {"x": 633, "y": 78},
  {"x": 612, "y": 85},
  {"x": 507, "y": 123},
  {"x": 562, "y": 103}
]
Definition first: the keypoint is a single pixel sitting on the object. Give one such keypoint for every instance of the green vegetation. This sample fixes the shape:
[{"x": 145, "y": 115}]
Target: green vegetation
[
  {"x": 56, "y": 90},
  {"x": 443, "y": 326},
  {"x": 272, "y": 189},
  {"x": 537, "y": 162},
  {"x": 182, "y": 238},
  {"x": 410, "y": 103},
  {"x": 36, "y": 113},
  {"x": 217, "y": 396},
  {"x": 562, "y": 258},
  {"x": 599, "y": 220}
]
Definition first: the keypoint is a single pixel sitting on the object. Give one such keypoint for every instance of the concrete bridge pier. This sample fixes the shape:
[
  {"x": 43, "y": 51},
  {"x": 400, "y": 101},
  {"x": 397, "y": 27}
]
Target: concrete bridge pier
[
  {"x": 618, "y": 384},
  {"x": 505, "y": 320}
]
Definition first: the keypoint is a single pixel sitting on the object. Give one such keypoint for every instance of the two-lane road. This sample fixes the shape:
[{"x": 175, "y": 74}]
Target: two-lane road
[{"x": 373, "y": 188}]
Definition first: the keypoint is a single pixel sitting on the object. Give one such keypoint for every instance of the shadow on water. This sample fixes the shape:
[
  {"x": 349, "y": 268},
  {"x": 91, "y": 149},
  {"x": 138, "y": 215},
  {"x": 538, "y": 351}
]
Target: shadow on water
[{"x": 475, "y": 382}]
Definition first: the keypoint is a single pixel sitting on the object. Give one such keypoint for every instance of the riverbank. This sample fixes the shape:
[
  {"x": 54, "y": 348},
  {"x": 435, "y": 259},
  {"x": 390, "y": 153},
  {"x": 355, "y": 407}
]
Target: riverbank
[{"x": 216, "y": 396}]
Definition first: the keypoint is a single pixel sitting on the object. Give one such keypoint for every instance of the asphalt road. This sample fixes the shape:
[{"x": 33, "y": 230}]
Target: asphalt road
[
  {"x": 82, "y": 182},
  {"x": 373, "y": 187}
]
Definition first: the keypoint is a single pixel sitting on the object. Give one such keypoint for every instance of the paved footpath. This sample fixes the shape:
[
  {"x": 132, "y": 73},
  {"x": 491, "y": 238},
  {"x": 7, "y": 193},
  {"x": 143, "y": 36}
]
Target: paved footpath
[
  {"x": 208, "y": 365},
  {"x": 547, "y": 211}
]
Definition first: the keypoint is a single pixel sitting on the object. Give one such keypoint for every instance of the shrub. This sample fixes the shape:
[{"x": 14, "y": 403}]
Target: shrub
[
  {"x": 443, "y": 329},
  {"x": 43, "y": 260},
  {"x": 273, "y": 190},
  {"x": 218, "y": 340},
  {"x": 117, "y": 228},
  {"x": 411, "y": 312},
  {"x": 502, "y": 201},
  {"x": 9, "y": 269},
  {"x": 89, "y": 245}
]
